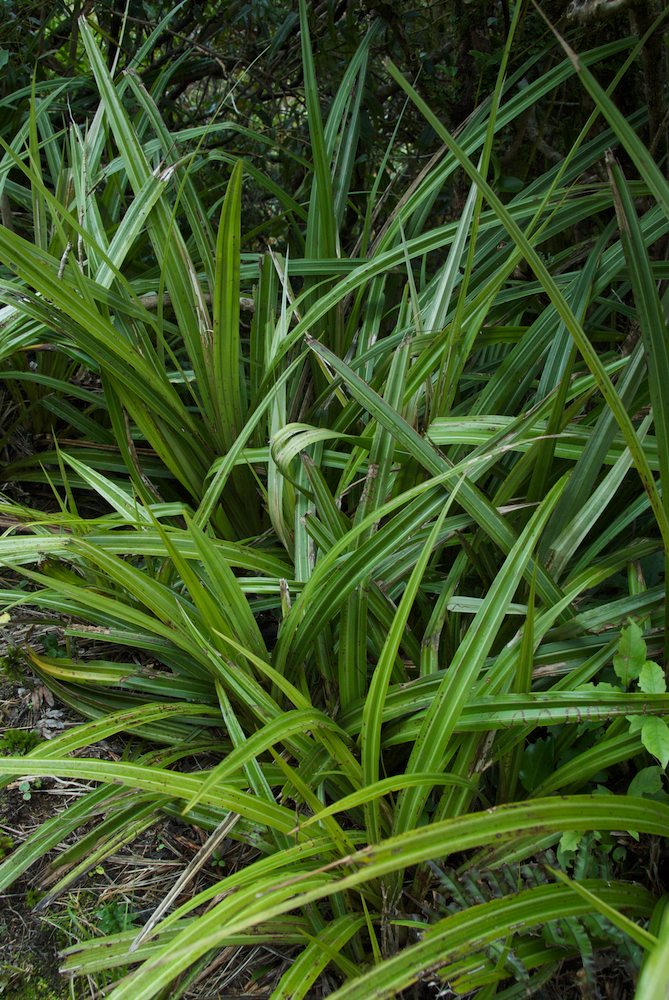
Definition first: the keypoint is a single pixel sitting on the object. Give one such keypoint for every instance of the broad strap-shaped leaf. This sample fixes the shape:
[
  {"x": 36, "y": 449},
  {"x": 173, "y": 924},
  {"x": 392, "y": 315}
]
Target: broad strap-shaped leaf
[{"x": 226, "y": 373}]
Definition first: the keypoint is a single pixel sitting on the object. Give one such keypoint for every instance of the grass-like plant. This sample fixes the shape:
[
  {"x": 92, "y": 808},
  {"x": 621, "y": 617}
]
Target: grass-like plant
[{"x": 372, "y": 517}]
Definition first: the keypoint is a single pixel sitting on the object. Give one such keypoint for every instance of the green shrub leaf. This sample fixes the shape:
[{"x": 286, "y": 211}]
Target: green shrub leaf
[
  {"x": 648, "y": 781},
  {"x": 655, "y": 738},
  {"x": 652, "y": 679},
  {"x": 631, "y": 654}
]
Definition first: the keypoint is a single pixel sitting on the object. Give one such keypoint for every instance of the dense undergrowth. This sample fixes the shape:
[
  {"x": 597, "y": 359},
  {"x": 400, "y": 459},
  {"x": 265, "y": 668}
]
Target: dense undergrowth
[{"x": 369, "y": 530}]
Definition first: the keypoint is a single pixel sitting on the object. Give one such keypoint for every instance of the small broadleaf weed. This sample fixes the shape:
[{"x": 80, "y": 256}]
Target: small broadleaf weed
[{"x": 630, "y": 664}]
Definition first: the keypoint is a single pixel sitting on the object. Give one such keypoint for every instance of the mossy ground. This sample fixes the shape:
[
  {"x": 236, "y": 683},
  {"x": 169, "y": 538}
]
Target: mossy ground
[
  {"x": 28, "y": 944},
  {"x": 28, "y": 955}
]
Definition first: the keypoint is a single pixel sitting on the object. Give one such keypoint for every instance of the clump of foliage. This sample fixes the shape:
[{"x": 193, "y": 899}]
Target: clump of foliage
[
  {"x": 15, "y": 742},
  {"x": 369, "y": 507},
  {"x": 115, "y": 917},
  {"x": 33, "y": 897},
  {"x": 12, "y": 664}
]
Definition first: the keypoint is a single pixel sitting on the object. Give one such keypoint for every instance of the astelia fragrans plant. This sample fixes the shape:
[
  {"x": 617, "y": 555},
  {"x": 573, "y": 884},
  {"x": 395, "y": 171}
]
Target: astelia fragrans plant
[{"x": 347, "y": 561}]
